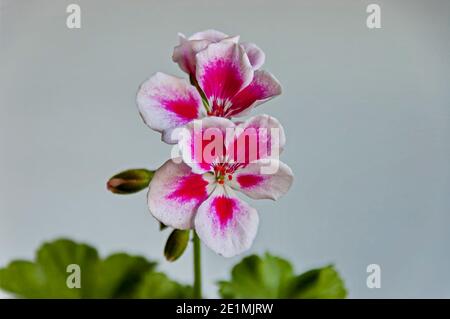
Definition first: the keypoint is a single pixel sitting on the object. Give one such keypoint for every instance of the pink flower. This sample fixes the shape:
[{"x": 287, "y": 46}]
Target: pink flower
[
  {"x": 226, "y": 82},
  {"x": 201, "y": 194}
]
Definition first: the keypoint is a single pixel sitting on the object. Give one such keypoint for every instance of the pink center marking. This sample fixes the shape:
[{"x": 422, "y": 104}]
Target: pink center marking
[
  {"x": 249, "y": 181},
  {"x": 191, "y": 187},
  {"x": 185, "y": 109},
  {"x": 223, "y": 208}
]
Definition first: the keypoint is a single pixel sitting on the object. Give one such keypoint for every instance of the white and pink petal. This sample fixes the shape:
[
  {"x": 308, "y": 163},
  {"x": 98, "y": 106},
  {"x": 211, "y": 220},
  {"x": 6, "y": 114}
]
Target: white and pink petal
[
  {"x": 226, "y": 224},
  {"x": 175, "y": 193},
  {"x": 210, "y": 35},
  {"x": 202, "y": 142},
  {"x": 166, "y": 102},
  {"x": 261, "y": 136},
  {"x": 263, "y": 88},
  {"x": 263, "y": 179},
  {"x": 184, "y": 53},
  {"x": 223, "y": 69},
  {"x": 255, "y": 55}
]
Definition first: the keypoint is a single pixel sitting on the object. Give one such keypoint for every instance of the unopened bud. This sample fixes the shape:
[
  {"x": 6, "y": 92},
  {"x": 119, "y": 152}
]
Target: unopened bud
[
  {"x": 176, "y": 244},
  {"x": 130, "y": 181}
]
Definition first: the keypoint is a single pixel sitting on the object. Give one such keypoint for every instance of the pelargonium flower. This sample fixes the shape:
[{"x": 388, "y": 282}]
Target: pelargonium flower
[
  {"x": 226, "y": 82},
  {"x": 201, "y": 194}
]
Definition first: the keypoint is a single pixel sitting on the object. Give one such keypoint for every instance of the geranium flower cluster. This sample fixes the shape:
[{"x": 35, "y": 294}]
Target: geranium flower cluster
[{"x": 217, "y": 156}]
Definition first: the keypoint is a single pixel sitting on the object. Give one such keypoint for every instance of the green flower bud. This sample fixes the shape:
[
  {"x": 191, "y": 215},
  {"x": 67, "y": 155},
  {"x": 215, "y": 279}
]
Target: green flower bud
[
  {"x": 176, "y": 244},
  {"x": 130, "y": 181}
]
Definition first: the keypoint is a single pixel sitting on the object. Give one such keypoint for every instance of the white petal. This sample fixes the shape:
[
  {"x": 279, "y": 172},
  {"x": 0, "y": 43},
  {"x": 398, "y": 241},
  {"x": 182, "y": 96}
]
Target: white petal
[
  {"x": 166, "y": 102},
  {"x": 210, "y": 35},
  {"x": 184, "y": 53},
  {"x": 260, "y": 137},
  {"x": 223, "y": 69},
  {"x": 175, "y": 193},
  {"x": 226, "y": 224},
  {"x": 255, "y": 55},
  {"x": 202, "y": 142},
  {"x": 263, "y": 179},
  {"x": 263, "y": 87}
]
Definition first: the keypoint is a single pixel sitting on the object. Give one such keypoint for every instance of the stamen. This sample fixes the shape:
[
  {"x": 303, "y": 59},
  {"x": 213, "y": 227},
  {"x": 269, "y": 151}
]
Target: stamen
[
  {"x": 223, "y": 171},
  {"x": 219, "y": 107}
]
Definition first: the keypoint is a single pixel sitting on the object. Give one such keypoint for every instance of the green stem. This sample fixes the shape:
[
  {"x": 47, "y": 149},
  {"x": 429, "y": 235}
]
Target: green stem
[
  {"x": 197, "y": 268},
  {"x": 194, "y": 82}
]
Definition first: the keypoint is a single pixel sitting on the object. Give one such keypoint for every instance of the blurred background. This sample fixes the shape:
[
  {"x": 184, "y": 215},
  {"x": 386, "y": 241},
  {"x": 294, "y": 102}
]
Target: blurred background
[{"x": 366, "y": 113}]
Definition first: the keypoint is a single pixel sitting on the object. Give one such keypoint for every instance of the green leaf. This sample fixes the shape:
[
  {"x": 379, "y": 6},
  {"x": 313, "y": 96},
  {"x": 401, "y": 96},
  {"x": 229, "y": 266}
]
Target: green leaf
[
  {"x": 117, "y": 276},
  {"x": 273, "y": 277},
  {"x": 130, "y": 181},
  {"x": 158, "y": 285},
  {"x": 46, "y": 278},
  {"x": 22, "y": 278},
  {"x": 322, "y": 283},
  {"x": 176, "y": 244},
  {"x": 256, "y": 277}
]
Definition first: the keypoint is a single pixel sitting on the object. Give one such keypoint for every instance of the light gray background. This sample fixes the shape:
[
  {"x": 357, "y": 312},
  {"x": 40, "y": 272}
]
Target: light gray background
[{"x": 366, "y": 112}]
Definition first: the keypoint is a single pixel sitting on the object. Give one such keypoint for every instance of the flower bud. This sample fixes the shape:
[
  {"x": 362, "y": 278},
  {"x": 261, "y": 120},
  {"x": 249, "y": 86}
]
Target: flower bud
[
  {"x": 130, "y": 181},
  {"x": 176, "y": 244}
]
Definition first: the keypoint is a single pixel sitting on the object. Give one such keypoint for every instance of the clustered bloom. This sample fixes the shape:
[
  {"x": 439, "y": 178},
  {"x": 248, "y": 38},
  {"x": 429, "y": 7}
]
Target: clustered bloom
[
  {"x": 226, "y": 82},
  {"x": 198, "y": 190}
]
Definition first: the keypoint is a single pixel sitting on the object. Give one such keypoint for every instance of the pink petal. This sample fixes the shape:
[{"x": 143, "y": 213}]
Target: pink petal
[
  {"x": 255, "y": 55},
  {"x": 175, "y": 193},
  {"x": 226, "y": 224},
  {"x": 259, "y": 137},
  {"x": 253, "y": 182},
  {"x": 263, "y": 88},
  {"x": 166, "y": 102},
  {"x": 223, "y": 69},
  {"x": 202, "y": 142}
]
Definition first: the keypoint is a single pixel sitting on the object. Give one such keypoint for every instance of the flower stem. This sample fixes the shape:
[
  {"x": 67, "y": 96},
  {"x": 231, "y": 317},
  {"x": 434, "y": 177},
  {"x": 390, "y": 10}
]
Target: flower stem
[
  {"x": 197, "y": 268},
  {"x": 194, "y": 82}
]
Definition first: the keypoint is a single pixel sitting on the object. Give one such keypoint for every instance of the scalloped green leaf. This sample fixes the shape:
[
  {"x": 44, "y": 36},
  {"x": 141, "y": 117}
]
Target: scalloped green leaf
[
  {"x": 117, "y": 276},
  {"x": 156, "y": 285},
  {"x": 273, "y": 277},
  {"x": 47, "y": 276},
  {"x": 321, "y": 283}
]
